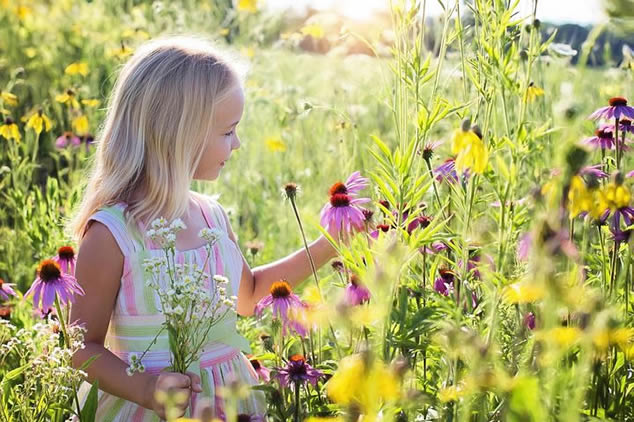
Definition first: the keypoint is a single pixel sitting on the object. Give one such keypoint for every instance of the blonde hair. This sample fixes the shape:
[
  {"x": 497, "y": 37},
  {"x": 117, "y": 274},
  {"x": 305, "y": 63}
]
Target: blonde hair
[{"x": 159, "y": 114}]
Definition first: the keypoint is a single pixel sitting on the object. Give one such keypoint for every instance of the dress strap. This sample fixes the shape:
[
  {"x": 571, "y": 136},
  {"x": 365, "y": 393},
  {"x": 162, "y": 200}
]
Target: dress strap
[
  {"x": 113, "y": 218},
  {"x": 210, "y": 214}
]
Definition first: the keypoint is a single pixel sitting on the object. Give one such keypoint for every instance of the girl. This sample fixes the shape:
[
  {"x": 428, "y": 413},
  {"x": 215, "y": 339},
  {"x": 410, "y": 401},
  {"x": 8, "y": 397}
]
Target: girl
[{"x": 171, "y": 119}]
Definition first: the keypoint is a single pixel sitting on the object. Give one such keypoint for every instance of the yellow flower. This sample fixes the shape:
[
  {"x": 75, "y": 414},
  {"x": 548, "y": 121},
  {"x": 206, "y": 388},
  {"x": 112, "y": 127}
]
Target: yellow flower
[
  {"x": 275, "y": 144},
  {"x": 9, "y": 98},
  {"x": 90, "y": 102},
  {"x": 533, "y": 92},
  {"x": 80, "y": 124},
  {"x": 223, "y": 31},
  {"x": 366, "y": 387},
  {"x": 314, "y": 30},
  {"x": 472, "y": 153},
  {"x": 250, "y": 6},
  {"x": 77, "y": 68},
  {"x": 9, "y": 130},
  {"x": 561, "y": 336},
  {"x": 120, "y": 52},
  {"x": 22, "y": 12},
  {"x": 614, "y": 196},
  {"x": 451, "y": 393},
  {"x": 38, "y": 121},
  {"x": 580, "y": 199},
  {"x": 30, "y": 52},
  {"x": 68, "y": 98},
  {"x": 523, "y": 293}
]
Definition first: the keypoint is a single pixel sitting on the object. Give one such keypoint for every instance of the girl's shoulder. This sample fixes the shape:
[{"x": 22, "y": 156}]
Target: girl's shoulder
[
  {"x": 213, "y": 207},
  {"x": 114, "y": 219}
]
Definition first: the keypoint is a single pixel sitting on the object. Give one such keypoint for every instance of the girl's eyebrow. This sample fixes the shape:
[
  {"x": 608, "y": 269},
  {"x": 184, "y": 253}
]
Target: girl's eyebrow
[{"x": 233, "y": 124}]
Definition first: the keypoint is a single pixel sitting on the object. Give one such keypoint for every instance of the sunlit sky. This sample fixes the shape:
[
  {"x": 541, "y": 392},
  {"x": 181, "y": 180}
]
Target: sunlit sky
[{"x": 558, "y": 11}]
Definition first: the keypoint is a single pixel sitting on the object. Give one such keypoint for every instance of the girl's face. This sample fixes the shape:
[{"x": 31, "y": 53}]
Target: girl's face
[{"x": 224, "y": 138}]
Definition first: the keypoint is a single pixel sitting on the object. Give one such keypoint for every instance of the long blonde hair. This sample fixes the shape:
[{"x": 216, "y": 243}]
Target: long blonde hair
[{"x": 159, "y": 114}]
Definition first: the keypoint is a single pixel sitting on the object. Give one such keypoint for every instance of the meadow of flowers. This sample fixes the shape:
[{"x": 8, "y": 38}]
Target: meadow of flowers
[{"x": 482, "y": 192}]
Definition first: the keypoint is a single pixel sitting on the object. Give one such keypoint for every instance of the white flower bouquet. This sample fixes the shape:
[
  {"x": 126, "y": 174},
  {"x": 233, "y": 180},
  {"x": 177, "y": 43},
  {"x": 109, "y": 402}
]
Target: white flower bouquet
[{"x": 190, "y": 308}]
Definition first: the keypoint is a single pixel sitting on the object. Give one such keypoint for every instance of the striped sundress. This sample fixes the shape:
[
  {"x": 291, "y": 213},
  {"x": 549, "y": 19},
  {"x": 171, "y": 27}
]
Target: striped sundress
[{"x": 137, "y": 318}]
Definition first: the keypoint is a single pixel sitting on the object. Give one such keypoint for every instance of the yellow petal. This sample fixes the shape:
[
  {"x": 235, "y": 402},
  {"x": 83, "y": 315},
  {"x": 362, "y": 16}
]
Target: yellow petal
[
  {"x": 80, "y": 124},
  {"x": 77, "y": 68}
]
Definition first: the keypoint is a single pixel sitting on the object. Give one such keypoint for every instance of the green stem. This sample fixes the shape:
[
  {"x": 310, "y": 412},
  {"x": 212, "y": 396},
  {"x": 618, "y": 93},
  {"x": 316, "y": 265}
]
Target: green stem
[{"x": 62, "y": 322}]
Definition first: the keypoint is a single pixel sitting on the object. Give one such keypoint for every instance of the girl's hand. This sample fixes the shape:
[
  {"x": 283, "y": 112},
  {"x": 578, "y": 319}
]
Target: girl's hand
[{"x": 172, "y": 383}]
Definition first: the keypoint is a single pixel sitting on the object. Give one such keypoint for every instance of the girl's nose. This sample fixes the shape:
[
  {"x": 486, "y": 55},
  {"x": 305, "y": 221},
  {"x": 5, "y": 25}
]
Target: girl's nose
[{"x": 236, "y": 143}]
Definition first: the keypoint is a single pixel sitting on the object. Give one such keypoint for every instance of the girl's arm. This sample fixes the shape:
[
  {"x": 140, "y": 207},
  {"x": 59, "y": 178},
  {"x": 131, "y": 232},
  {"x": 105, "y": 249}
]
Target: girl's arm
[
  {"x": 99, "y": 270},
  {"x": 255, "y": 283}
]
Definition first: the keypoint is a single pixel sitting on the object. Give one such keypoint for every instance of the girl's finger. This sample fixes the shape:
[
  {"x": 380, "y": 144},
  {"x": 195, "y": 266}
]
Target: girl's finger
[{"x": 195, "y": 382}]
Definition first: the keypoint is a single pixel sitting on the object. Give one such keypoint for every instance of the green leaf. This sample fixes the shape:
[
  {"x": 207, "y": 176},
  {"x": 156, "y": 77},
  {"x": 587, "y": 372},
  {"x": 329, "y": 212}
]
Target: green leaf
[{"x": 89, "y": 411}]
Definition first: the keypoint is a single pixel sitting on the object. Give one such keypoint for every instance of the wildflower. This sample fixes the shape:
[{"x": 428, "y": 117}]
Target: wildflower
[
  {"x": 66, "y": 259},
  {"x": 447, "y": 171},
  {"x": 529, "y": 320},
  {"x": 626, "y": 126},
  {"x": 80, "y": 124},
  {"x": 51, "y": 282},
  {"x": 342, "y": 212},
  {"x": 604, "y": 139},
  {"x": 77, "y": 68},
  {"x": 380, "y": 228},
  {"x": 250, "y": 6},
  {"x": 524, "y": 246},
  {"x": 428, "y": 149},
  {"x": 421, "y": 221},
  {"x": 298, "y": 371},
  {"x": 614, "y": 196},
  {"x": 523, "y": 293},
  {"x": 254, "y": 246},
  {"x": 67, "y": 138},
  {"x": 444, "y": 283},
  {"x": 275, "y": 144},
  {"x": 38, "y": 121},
  {"x": 356, "y": 293},
  {"x": 314, "y": 30},
  {"x": 532, "y": 92},
  {"x": 282, "y": 300},
  {"x": 290, "y": 191},
  {"x": 68, "y": 98},
  {"x": 362, "y": 382},
  {"x": 264, "y": 373},
  {"x": 9, "y": 130},
  {"x": 90, "y": 102},
  {"x": 121, "y": 52},
  {"x": 580, "y": 199},
  {"x": 9, "y": 98},
  {"x": 618, "y": 107},
  {"x": 211, "y": 236},
  {"x": 593, "y": 171},
  {"x": 6, "y": 290},
  {"x": 471, "y": 151}
]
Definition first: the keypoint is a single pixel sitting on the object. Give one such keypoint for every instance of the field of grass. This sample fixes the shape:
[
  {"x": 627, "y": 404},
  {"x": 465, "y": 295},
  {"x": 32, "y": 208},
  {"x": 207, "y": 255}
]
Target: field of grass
[{"x": 503, "y": 296}]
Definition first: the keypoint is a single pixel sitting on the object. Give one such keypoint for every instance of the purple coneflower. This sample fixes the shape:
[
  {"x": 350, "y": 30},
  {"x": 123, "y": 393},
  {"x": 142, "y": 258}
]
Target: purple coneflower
[
  {"x": 422, "y": 221},
  {"x": 428, "y": 149},
  {"x": 603, "y": 138},
  {"x": 356, "y": 293},
  {"x": 282, "y": 300},
  {"x": 447, "y": 171},
  {"x": 529, "y": 321},
  {"x": 342, "y": 212},
  {"x": 67, "y": 138},
  {"x": 6, "y": 290},
  {"x": 66, "y": 259},
  {"x": 51, "y": 281},
  {"x": 625, "y": 125},
  {"x": 444, "y": 283},
  {"x": 380, "y": 228},
  {"x": 297, "y": 371},
  {"x": 594, "y": 171},
  {"x": 355, "y": 183},
  {"x": 264, "y": 373},
  {"x": 524, "y": 246},
  {"x": 618, "y": 107},
  {"x": 434, "y": 248}
]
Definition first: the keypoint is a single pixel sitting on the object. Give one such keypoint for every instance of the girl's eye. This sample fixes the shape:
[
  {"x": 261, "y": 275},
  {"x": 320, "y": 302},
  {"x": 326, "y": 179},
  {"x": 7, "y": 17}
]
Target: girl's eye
[{"x": 229, "y": 133}]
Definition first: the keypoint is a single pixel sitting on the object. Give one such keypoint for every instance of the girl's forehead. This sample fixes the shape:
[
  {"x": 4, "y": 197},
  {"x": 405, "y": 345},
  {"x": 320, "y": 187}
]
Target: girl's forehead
[{"x": 229, "y": 110}]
